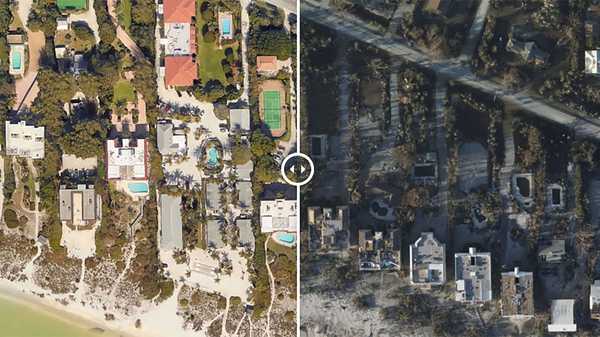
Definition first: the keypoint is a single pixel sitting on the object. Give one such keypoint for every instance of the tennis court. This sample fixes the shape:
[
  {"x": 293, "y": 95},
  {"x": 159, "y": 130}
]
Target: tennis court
[
  {"x": 272, "y": 101},
  {"x": 72, "y": 4}
]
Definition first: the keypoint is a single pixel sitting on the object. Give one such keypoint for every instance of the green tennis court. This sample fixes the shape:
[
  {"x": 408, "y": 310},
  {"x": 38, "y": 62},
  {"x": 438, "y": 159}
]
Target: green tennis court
[
  {"x": 72, "y": 4},
  {"x": 272, "y": 102}
]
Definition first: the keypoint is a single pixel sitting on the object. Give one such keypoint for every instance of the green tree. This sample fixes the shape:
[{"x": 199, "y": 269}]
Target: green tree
[
  {"x": 274, "y": 42},
  {"x": 261, "y": 145},
  {"x": 85, "y": 140}
]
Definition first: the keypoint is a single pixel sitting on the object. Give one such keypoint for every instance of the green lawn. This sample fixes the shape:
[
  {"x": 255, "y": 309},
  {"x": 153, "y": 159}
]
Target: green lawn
[
  {"x": 209, "y": 56},
  {"x": 123, "y": 91},
  {"x": 71, "y": 4},
  {"x": 124, "y": 14}
]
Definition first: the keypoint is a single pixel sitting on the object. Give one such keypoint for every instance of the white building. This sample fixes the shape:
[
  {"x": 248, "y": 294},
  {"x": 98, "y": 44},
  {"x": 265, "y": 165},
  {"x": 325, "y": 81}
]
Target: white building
[
  {"x": 591, "y": 62},
  {"x": 595, "y": 300},
  {"x": 126, "y": 159},
  {"x": 24, "y": 140},
  {"x": 278, "y": 215},
  {"x": 473, "y": 272},
  {"x": 427, "y": 261},
  {"x": 562, "y": 316}
]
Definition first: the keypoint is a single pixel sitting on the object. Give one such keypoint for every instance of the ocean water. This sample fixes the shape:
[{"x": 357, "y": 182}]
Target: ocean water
[{"x": 19, "y": 320}]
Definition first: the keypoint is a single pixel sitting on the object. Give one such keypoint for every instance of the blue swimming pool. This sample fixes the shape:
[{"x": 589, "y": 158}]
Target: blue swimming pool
[
  {"x": 226, "y": 26},
  {"x": 15, "y": 61},
  {"x": 285, "y": 237},
  {"x": 213, "y": 156},
  {"x": 138, "y": 187}
]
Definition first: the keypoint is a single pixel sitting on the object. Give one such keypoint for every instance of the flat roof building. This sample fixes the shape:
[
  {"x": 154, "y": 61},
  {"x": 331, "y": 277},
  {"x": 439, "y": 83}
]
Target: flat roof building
[
  {"x": 246, "y": 234},
  {"x": 562, "y": 316},
  {"x": 239, "y": 120},
  {"x": 473, "y": 272},
  {"x": 214, "y": 237},
  {"x": 171, "y": 227},
  {"x": 127, "y": 159},
  {"x": 24, "y": 140},
  {"x": 212, "y": 197},
  {"x": 427, "y": 261},
  {"x": 79, "y": 206},
  {"x": 517, "y": 294},
  {"x": 244, "y": 193},
  {"x": 278, "y": 215}
]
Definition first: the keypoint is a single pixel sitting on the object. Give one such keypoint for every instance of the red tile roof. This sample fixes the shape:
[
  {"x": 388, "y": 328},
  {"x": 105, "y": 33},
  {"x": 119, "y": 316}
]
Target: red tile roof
[
  {"x": 266, "y": 63},
  {"x": 179, "y": 11},
  {"x": 180, "y": 71}
]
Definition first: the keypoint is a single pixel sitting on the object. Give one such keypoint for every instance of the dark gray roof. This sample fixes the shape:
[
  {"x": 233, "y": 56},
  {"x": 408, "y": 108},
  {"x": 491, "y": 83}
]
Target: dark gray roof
[{"x": 171, "y": 236}]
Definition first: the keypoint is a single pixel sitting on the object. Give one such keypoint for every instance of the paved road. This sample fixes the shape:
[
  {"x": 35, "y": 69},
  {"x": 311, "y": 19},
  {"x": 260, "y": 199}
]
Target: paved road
[
  {"x": 475, "y": 31},
  {"x": 289, "y": 5},
  {"x": 451, "y": 69}
]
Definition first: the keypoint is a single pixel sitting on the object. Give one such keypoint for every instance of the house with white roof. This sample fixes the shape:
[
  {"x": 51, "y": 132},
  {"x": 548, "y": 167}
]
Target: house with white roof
[
  {"x": 278, "y": 215},
  {"x": 24, "y": 140},
  {"x": 591, "y": 62},
  {"x": 473, "y": 272},
  {"x": 595, "y": 300},
  {"x": 427, "y": 261},
  {"x": 127, "y": 159},
  {"x": 562, "y": 316},
  {"x": 239, "y": 120}
]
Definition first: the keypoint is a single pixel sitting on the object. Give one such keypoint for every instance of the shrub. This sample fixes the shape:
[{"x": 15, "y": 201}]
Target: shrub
[{"x": 11, "y": 219}]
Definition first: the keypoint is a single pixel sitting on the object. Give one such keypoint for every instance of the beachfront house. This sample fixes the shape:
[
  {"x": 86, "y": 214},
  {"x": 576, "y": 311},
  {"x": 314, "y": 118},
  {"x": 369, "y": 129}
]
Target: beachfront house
[
  {"x": 179, "y": 43},
  {"x": 24, "y": 140},
  {"x": 127, "y": 159}
]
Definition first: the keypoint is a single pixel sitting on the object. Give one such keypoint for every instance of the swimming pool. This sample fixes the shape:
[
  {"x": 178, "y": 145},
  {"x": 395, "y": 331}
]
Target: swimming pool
[
  {"x": 226, "y": 26},
  {"x": 285, "y": 237},
  {"x": 138, "y": 187},
  {"x": 15, "y": 61},
  {"x": 213, "y": 156}
]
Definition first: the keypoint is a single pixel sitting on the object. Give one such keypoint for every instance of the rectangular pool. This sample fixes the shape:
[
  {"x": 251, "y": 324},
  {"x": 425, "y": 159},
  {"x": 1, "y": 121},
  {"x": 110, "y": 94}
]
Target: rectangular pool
[{"x": 138, "y": 187}]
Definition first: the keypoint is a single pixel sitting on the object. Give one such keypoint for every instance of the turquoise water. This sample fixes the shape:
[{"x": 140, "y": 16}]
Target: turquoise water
[
  {"x": 289, "y": 238},
  {"x": 138, "y": 187},
  {"x": 16, "y": 61},
  {"x": 226, "y": 26},
  {"x": 213, "y": 156}
]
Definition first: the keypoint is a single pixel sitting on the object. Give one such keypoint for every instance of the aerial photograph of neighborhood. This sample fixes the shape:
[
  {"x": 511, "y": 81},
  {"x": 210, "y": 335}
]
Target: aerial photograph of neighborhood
[
  {"x": 456, "y": 146},
  {"x": 140, "y": 184}
]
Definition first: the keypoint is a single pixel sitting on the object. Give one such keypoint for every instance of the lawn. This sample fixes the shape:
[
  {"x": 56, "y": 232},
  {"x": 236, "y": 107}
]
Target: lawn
[
  {"x": 123, "y": 91},
  {"x": 124, "y": 14},
  {"x": 209, "y": 56}
]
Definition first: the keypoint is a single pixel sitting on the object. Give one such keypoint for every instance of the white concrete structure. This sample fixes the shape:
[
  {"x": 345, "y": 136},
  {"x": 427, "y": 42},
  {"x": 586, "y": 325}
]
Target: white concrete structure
[
  {"x": 177, "y": 39},
  {"x": 595, "y": 300},
  {"x": 562, "y": 316},
  {"x": 239, "y": 120},
  {"x": 591, "y": 62},
  {"x": 126, "y": 159},
  {"x": 427, "y": 261},
  {"x": 24, "y": 140},
  {"x": 278, "y": 215},
  {"x": 473, "y": 272}
]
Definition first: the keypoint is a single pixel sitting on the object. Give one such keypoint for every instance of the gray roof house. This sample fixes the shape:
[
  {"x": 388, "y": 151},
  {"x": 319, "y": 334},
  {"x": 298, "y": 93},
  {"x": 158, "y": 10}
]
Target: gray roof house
[
  {"x": 245, "y": 170},
  {"x": 171, "y": 236},
  {"x": 427, "y": 261},
  {"x": 214, "y": 238},
  {"x": 246, "y": 235},
  {"x": 245, "y": 193},
  {"x": 239, "y": 120},
  {"x": 171, "y": 140},
  {"x": 552, "y": 252},
  {"x": 473, "y": 272},
  {"x": 80, "y": 206},
  {"x": 213, "y": 197},
  {"x": 329, "y": 228}
]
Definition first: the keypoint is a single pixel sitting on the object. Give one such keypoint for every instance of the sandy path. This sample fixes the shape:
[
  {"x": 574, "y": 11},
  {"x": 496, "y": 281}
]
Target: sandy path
[
  {"x": 89, "y": 17},
  {"x": 272, "y": 284},
  {"x": 122, "y": 34}
]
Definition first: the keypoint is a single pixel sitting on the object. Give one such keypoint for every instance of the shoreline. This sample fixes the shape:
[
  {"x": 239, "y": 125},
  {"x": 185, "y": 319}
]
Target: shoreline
[{"x": 64, "y": 313}]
